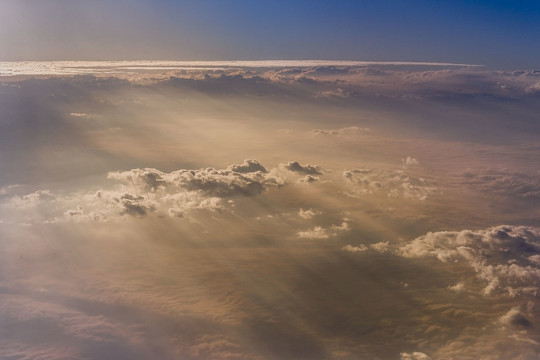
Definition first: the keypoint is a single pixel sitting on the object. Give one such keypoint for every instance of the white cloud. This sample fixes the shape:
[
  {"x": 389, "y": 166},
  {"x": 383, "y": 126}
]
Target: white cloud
[
  {"x": 308, "y": 179},
  {"x": 307, "y": 169},
  {"x": 380, "y": 246},
  {"x": 459, "y": 287},
  {"x": 514, "y": 317},
  {"x": 4, "y": 190},
  {"x": 119, "y": 67},
  {"x": 307, "y": 214},
  {"x": 410, "y": 161},
  {"x": 520, "y": 184},
  {"x": 141, "y": 192},
  {"x": 392, "y": 183},
  {"x": 355, "y": 249},
  {"x": 247, "y": 179},
  {"x": 319, "y": 232},
  {"x": 500, "y": 256},
  {"x": 414, "y": 356}
]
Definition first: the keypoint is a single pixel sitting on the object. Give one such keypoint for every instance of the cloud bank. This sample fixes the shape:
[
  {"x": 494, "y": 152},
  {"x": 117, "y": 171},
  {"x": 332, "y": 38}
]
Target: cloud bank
[{"x": 369, "y": 225}]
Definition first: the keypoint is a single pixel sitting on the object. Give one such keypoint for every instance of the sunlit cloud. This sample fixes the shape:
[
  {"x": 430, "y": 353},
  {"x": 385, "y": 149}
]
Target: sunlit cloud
[{"x": 254, "y": 210}]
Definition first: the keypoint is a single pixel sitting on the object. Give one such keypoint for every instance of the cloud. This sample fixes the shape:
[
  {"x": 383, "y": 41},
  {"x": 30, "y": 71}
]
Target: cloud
[
  {"x": 514, "y": 317},
  {"x": 81, "y": 115},
  {"x": 79, "y": 215},
  {"x": 533, "y": 89},
  {"x": 4, "y": 190},
  {"x": 380, "y": 247},
  {"x": 56, "y": 323},
  {"x": 410, "y": 161},
  {"x": 338, "y": 92},
  {"x": 459, "y": 287},
  {"x": 414, "y": 356},
  {"x": 248, "y": 166},
  {"x": 308, "y": 179},
  {"x": 167, "y": 252},
  {"x": 39, "y": 195},
  {"x": 520, "y": 184},
  {"x": 392, "y": 183},
  {"x": 119, "y": 67},
  {"x": 18, "y": 350},
  {"x": 500, "y": 256},
  {"x": 307, "y": 214},
  {"x": 142, "y": 192},
  {"x": 355, "y": 249},
  {"x": 247, "y": 179},
  {"x": 350, "y": 130},
  {"x": 295, "y": 166},
  {"x": 135, "y": 204},
  {"x": 319, "y": 232}
]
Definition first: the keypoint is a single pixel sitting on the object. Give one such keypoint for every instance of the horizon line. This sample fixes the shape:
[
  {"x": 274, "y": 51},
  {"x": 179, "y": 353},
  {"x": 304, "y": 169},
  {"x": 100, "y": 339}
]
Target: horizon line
[{"x": 258, "y": 63}]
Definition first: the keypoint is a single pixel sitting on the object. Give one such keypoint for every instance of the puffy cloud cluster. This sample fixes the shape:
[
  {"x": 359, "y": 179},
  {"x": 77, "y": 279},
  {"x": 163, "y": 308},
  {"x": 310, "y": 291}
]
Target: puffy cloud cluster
[
  {"x": 503, "y": 257},
  {"x": 140, "y": 192},
  {"x": 410, "y": 161},
  {"x": 414, "y": 356},
  {"x": 307, "y": 214},
  {"x": 184, "y": 190},
  {"x": 515, "y": 317},
  {"x": 392, "y": 183},
  {"x": 320, "y": 233},
  {"x": 307, "y": 169},
  {"x": 380, "y": 247},
  {"x": 247, "y": 179},
  {"x": 519, "y": 184}
]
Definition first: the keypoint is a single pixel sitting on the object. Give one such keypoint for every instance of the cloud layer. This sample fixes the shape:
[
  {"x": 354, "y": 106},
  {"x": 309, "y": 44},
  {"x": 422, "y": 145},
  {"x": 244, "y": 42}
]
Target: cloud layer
[{"x": 369, "y": 225}]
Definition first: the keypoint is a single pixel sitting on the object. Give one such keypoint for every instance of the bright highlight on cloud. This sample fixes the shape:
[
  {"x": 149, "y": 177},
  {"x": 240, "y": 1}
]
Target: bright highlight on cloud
[{"x": 276, "y": 210}]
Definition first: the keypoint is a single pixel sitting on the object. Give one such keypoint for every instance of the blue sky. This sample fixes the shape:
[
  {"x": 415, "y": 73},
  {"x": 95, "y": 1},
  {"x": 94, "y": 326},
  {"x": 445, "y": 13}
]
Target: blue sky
[{"x": 498, "y": 34}]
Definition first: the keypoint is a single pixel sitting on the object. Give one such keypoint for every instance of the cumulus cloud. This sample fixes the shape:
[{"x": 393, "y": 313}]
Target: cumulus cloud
[
  {"x": 308, "y": 179},
  {"x": 39, "y": 195},
  {"x": 135, "y": 204},
  {"x": 518, "y": 184},
  {"x": 392, "y": 183},
  {"x": 141, "y": 192},
  {"x": 500, "y": 256},
  {"x": 514, "y": 317},
  {"x": 410, "y": 161},
  {"x": 79, "y": 215},
  {"x": 459, "y": 287},
  {"x": 248, "y": 166},
  {"x": 307, "y": 169},
  {"x": 319, "y": 232},
  {"x": 247, "y": 179},
  {"x": 414, "y": 356},
  {"x": 307, "y": 214},
  {"x": 380, "y": 247},
  {"x": 355, "y": 249}
]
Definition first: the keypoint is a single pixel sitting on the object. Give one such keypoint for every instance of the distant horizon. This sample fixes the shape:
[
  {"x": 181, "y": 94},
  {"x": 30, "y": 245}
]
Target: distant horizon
[
  {"x": 497, "y": 34},
  {"x": 48, "y": 67}
]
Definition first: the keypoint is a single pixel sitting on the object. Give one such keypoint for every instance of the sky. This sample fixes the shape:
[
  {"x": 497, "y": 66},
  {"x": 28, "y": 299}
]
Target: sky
[
  {"x": 498, "y": 34},
  {"x": 204, "y": 180}
]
